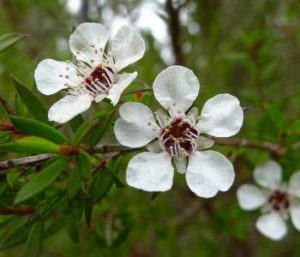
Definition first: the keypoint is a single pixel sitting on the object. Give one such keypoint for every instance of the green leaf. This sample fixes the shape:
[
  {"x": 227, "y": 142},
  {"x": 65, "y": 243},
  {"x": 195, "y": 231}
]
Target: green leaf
[
  {"x": 102, "y": 183},
  {"x": 42, "y": 180},
  {"x": 15, "y": 235},
  {"x": 97, "y": 131},
  {"x": 116, "y": 179},
  {"x": 32, "y": 103},
  {"x": 34, "y": 242},
  {"x": 74, "y": 183},
  {"x": 274, "y": 112},
  {"x": 76, "y": 122},
  {"x": 84, "y": 165},
  {"x": 31, "y": 144},
  {"x": 20, "y": 108},
  {"x": 83, "y": 130},
  {"x": 8, "y": 40},
  {"x": 3, "y": 113},
  {"x": 47, "y": 207},
  {"x": 74, "y": 229},
  {"x": 38, "y": 128}
]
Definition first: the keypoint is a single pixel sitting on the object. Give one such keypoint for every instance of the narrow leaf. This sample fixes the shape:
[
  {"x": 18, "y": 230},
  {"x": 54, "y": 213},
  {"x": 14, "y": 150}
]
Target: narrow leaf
[
  {"x": 30, "y": 144},
  {"x": 116, "y": 179},
  {"x": 38, "y": 128},
  {"x": 42, "y": 180},
  {"x": 8, "y": 40},
  {"x": 16, "y": 234},
  {"x": 34, "y": 242},
  {"x": 47, "y": 207},
  {"x": 84, "y": 165},
  {"x": 32, "y": 103}
]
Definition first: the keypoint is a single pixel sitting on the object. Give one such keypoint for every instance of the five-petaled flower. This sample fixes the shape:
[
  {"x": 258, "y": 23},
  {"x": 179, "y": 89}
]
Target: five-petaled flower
[
  {"x": 176, "y": 136},
  {"x": 95, "y": 73},
  {"x": 276, "y": 199}
]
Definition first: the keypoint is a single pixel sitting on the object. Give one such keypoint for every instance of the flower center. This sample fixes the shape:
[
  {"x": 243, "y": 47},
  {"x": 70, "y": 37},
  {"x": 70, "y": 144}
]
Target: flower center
[
  {"x": 100, "y": 80},
  {"x": 178, "y": 138},
  {"x": 279, "y": 200}
]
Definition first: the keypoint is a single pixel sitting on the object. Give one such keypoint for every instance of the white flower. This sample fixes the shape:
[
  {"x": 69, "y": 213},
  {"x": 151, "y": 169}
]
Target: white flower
[
  {"x": 276, "y": 199},
  {"x": 95, "y": 73},
  {"x": 175, "y": 137}
]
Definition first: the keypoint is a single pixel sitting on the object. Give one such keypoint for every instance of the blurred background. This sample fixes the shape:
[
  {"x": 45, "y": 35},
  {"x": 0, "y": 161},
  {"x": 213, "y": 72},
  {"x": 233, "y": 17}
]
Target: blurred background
[{"x": 250, "y": 49}]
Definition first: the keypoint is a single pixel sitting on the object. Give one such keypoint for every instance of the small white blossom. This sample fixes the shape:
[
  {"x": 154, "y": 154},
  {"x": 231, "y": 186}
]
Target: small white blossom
[
  {"x": 177, "y": 136},
  {"x": 277, "y": 200},
  {"x": 95, "y": 73}
]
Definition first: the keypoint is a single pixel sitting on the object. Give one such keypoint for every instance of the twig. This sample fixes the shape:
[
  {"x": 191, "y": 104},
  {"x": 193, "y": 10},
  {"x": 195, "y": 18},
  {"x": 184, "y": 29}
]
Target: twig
[
  {"x": 175, "y": 31},
  {"x": 18, "y": 212},
  {"x": 36, "y": 159},
  {"x": 275, "y": 149}
]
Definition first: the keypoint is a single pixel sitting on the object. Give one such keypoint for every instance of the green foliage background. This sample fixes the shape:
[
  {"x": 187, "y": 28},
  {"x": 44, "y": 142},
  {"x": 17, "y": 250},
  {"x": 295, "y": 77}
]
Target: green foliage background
[{"x": 250, "y": 49}]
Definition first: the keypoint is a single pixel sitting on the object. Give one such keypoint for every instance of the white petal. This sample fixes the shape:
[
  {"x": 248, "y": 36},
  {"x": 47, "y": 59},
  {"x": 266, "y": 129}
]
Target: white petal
[
  {"x": 162, "y": 118},
  {"x": 268, "y": 175},
  {"x": 204, "y": 142},
  {"x": 250, "y": 197},
  {"x": 137, "y": 126},
  {"x": 154, "y": 147},
  {"x": 181, "y": 164},
  {"x": 87, "y": 40},
  {"x": 127, "y": 47},
  {"x": 193, "y": 115},
  {"x": 209, "y": 172},
  {"x": 100, "y": 97},
  {"x": 221, "y": 116},
  {"x": 68, "y": 107},
  {"x": 150, "y": 172},
  {"x": 176, "y": 88},
  {"x": 294, "y": 184},
  {"x": 52, "y": 76},
  {"x": 272, "y": 225},
  {"x": 122, "y": 83},
  {"x": 295, "y": 216}
]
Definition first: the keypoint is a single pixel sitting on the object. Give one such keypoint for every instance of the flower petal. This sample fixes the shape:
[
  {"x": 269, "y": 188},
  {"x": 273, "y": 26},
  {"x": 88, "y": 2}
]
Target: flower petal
[
  {"x": 150, "y": 172},
  {"x": 204, "y": 142},
  {"x": 221, "y": 116},
  {"x": 295, "y": 216},
  {"x": 250, "y": 197},
  {"x": 294, "y": 184},
  {"x": 272, "y": 225},
  {"x": 137, "y": 126},
  {"x": 52, "y": 76},
  {"x": 127, "y": 47},
  {"x": 68, "y": 107},
  {"x": 176, "y": 88},
  {"x": 268, "y": 175},
  {"x": 87, "y": 42},
  {"x": 154, "y": 147},
  {"x": 209, "y": 172},
  {"x": 122, "y": 83},
  {"x": 180, "y": 163}
]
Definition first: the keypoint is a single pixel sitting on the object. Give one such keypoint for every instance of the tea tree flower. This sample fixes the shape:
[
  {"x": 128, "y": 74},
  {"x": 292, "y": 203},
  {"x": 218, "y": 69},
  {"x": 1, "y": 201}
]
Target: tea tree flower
[
  {"x": 178, "y": 136},
  {"x": 277, "y": 200},
  {"x": 95, "y": 74}
]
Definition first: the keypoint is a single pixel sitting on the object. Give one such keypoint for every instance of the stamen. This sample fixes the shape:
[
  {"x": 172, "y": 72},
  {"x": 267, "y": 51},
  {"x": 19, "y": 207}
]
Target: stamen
[{"x": 178, "y": 138}]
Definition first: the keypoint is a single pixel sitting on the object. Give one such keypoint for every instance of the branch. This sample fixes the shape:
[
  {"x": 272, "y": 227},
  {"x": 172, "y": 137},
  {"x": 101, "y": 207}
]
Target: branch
[
  {"x": 18, "y": 212},
  {"x": 275, "y": 149},
  {"x": 36, "y": 159},
  {"x": 175, "y": 31}
]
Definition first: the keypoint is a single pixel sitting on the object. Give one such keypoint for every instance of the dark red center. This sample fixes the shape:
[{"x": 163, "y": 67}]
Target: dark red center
[
  {"x": 279, "y": 200},
  {"x": 99, "y": 81},
  {"x": 178, "y": 138}
]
